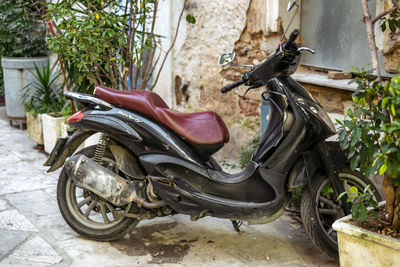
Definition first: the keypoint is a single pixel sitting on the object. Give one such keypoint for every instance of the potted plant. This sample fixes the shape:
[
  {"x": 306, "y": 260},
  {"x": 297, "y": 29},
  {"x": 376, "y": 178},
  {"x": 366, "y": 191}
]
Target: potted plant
[
  {"x": 371, "y": 133},
  {"x": 46, "y": 107},
  {"x": 22, "y": 45}
]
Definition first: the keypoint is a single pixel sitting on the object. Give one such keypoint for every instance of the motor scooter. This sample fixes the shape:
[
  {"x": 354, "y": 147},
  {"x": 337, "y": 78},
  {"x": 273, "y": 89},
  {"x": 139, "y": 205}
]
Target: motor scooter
[{"x": 152, "y": 161}]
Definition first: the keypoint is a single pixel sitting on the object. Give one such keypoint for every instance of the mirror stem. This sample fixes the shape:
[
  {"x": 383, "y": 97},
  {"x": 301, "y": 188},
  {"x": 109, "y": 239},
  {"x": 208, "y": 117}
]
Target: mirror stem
[{"x": 290, "y": 23}]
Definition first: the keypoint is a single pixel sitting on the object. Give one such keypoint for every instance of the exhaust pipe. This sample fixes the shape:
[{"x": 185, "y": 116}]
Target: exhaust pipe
[{"x": 91, "y": 176}]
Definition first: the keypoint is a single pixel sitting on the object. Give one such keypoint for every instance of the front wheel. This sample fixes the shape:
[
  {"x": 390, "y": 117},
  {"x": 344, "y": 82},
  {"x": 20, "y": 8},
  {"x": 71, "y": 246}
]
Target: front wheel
[{"x": 319, "y": 208}]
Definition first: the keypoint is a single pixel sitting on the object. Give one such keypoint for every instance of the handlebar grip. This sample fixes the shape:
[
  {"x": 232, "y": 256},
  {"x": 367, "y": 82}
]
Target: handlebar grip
[
  {"x": 229, "y": 87},
  {"x": 292, "y": 38}
]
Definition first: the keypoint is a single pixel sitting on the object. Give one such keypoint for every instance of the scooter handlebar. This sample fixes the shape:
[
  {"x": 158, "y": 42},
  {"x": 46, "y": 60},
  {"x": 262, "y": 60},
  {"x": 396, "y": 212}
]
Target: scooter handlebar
[
  {"x": 293, "y": 36},
  {"x": 229, "y": 87}
]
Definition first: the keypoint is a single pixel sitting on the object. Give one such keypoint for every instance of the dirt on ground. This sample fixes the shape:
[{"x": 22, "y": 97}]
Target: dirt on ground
[{"x": 378, "y": 225}]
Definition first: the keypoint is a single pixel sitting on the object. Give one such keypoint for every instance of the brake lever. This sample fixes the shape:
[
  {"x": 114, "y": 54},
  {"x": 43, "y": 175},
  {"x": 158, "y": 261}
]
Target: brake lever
[
  {"x": 248, "y": 89},
  {"x": 305, "y": 49}
]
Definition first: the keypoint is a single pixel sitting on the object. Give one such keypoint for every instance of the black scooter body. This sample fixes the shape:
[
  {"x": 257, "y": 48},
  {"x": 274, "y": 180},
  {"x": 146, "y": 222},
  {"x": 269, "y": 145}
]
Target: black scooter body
[{"x": 192, "y": 183}]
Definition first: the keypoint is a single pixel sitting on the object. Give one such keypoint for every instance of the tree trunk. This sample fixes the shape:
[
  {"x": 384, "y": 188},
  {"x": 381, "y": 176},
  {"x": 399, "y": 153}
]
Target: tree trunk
[
  {"x": 396, "y": 223},
  {"x": 371, "y": 38},
  {"x": 388, "y": 190}
]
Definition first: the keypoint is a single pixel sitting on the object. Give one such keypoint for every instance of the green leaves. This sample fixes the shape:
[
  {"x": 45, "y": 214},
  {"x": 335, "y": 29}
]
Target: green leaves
[
  {"x": 22, "y": 33},
  {"x": 391, "y": 21},
  {"x": 45, "y": 95},
  {"x": 191, "y": 19},
  {"x": 360, "y": 200},
  {"x": 370, "y": 131},
  {"x": 106, "y": 42}
]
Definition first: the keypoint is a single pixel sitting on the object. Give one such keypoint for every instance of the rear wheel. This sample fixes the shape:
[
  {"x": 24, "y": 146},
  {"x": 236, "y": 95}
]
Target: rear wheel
[
  {"x": 318, "y": 219},
  {"x": 88, "y": 214}
]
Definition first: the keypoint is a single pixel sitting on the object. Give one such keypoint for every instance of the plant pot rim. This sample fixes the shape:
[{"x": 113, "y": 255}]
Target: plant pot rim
[
  {"x": 52, "y": 114},
  {"x": 23, "y": 62},
  {"x": 344, "y": 226},
  {"x": 22, "y": 58}
]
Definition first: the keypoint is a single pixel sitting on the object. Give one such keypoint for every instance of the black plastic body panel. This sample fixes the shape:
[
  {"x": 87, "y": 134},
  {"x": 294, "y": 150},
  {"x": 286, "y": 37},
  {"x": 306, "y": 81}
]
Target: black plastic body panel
[
  {"x": 64, "y": 148},
  {"x": 189, "y": 189},
  {"x": 305, "y": 168}
]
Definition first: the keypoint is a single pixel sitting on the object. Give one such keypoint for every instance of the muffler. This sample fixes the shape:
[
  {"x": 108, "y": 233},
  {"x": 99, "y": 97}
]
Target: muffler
[{"x": 108, "y": 185}]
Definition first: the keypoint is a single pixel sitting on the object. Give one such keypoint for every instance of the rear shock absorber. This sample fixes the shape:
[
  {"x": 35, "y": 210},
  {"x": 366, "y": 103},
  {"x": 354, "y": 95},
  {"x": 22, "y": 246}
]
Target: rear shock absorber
[{"x": 100, "y": 148}]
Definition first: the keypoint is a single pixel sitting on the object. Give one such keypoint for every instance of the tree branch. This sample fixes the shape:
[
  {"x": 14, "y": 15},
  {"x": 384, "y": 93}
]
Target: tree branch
[
  {"x": 371, "y": 38},
  {"x": 381, "y": 15},
  {"x": 170, "y": 48}
]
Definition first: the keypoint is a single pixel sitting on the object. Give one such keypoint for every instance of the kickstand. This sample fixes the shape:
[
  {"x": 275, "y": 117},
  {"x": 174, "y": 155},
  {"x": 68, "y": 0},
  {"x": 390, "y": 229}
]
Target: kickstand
[{"x": 236, "y": 225}]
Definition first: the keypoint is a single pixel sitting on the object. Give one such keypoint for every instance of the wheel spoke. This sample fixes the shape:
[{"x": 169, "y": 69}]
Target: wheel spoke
[
  {"x": 328, "y": 202},
  {"x": 104, "y": 212},
  {"x": 85, "y": 201},
  {"x": 346, "y": 185},
  {"x": 113, "y": 211},
  {"x": 328, "y": 211},
  {"x": 90, "y": 208}
]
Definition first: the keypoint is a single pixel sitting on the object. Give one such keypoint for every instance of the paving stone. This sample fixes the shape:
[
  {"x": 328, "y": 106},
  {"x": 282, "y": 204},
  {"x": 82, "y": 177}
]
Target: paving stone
[
  {"x": 3, "y": 205},
  {"x": 20, "y": 182},
  {"x": 36, "y": 202},
  {"x": 12, "y": 220},
  {"x": 30, "y": 155},
  {"x": 10, "y": 240},
  {"x": 36, "y": 250}
]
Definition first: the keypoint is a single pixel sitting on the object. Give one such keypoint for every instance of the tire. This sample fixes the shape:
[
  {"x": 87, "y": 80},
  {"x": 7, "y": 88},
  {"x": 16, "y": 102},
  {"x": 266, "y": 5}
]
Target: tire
[
  {"x": 91, "y": 226},
  {"x": 316, "y": 220}
]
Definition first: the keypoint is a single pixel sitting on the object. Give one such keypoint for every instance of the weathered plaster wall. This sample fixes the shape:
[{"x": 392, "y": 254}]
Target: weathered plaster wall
[
  {"x": 390, "y": 46},
  {"x": 223, "y": 26},
  {"x": 219, "y": 25}
]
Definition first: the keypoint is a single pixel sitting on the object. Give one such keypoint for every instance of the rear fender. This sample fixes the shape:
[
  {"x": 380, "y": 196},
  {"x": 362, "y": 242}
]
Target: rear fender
[{"x": 64, "y": 148}]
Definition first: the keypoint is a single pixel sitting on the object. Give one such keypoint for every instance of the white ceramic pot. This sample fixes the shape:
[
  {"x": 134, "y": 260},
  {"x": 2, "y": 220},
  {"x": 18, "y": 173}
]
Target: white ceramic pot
[
  {"x": 53, "y": 128},
  {"x": 34, "y": 127},
  {"x": 18, "y": 74},
  {"x": 360, "y": 247}
]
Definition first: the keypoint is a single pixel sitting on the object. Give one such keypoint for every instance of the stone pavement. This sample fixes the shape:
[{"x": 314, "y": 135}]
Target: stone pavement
[{"x": 33, "y": 232}]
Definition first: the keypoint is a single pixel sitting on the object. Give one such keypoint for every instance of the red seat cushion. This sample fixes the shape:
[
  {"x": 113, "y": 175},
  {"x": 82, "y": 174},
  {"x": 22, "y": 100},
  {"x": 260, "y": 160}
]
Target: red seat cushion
[{"x": 203, "y": 128}]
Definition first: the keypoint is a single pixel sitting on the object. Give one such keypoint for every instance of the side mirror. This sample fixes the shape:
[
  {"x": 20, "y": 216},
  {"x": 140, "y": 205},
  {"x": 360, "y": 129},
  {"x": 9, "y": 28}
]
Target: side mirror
[
  {"x": 226, "y": 58},
  {"x": 291, "y": 4}
]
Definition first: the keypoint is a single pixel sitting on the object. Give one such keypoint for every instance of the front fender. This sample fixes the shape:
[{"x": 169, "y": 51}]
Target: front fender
[
  {"x": 309, "y": 164},
  {"x": 64, "y": 148}
]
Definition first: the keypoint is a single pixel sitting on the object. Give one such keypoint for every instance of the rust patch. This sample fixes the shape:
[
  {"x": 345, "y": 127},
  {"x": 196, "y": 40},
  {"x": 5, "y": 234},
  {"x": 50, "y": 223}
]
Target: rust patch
[{"x": 156, "y": 241}]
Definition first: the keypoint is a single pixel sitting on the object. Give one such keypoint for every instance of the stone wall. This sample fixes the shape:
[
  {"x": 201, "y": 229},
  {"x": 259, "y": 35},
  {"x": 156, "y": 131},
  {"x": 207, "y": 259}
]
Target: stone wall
[
  {"x": 333, "y": 100},
  {"x": 223, "y": 26},
  {"x": 390, "y": 46}
]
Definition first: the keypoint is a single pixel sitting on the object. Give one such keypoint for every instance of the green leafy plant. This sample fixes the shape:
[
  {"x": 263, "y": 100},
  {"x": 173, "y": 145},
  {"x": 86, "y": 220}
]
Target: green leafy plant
[
  {"x": 45, "y": 95},
  {"x": 247, "y": 151},
  {"x": 22, "y": 31},
  {"x": 108, "y": 42},
  {"x": 371, "y": 134},
  {"x": 361, "y": 201}
]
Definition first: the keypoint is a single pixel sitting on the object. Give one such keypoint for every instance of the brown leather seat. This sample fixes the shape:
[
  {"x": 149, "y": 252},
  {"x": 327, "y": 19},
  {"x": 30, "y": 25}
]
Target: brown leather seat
[{"x": 203, "y": 128}]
